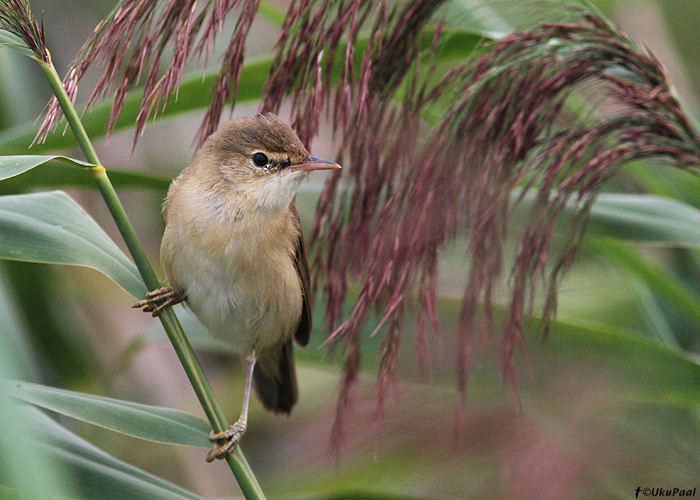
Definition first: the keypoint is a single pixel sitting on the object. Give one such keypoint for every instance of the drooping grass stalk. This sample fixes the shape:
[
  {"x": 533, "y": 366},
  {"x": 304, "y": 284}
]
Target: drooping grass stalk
[{"x": 237, "y": 461}]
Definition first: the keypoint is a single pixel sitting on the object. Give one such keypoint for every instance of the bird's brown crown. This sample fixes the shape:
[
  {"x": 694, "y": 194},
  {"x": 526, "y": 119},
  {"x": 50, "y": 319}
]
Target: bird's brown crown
[{"x": 266, "y": 134}]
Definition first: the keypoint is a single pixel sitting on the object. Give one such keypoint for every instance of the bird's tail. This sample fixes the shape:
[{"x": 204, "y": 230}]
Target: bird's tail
[{"x": 275, "y": 378}]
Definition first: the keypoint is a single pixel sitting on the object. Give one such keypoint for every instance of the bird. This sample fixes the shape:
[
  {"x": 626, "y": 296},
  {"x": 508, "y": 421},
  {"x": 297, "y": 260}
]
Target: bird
[{"x": 233, "y": 252}]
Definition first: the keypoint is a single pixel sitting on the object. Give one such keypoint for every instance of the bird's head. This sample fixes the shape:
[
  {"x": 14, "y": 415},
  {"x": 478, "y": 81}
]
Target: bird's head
[{"x": 259, "y": 158}]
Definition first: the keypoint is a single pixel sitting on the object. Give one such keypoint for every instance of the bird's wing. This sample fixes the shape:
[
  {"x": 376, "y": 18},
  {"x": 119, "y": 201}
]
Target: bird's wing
[{"x": 304, "y": 329}]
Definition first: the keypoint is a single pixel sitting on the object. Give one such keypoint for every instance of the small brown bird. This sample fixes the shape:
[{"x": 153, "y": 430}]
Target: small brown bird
[{"x": 234, "y": 252}]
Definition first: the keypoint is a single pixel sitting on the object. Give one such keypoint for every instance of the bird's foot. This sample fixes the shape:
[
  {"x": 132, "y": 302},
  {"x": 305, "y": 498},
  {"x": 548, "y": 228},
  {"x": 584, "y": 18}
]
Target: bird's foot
[
  {"x": 232, "y": 436},
  {"x": 157, "y": 301}
]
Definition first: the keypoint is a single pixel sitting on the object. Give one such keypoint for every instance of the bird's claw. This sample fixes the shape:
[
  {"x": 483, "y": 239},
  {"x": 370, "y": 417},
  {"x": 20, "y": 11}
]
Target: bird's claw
[
  {"x": 232, "y": 435},
  {"x": 157, "y": 301}
]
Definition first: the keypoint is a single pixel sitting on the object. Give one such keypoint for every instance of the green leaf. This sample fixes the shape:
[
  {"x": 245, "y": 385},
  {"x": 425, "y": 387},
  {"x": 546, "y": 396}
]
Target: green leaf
[
  {"x": 11, "y": 166},
  {"x": 455, "y": 45},
  {"x": 630, "y": 217},
  {"x": 664, "y": 284},
  {"x": 42, "y": 478},
  {"x": 58, "y": 175},
  {"x": 272, "y": 13},
  {"x": 15, "y": 43},
  {"x": 195, "y": 93},
  {"x": 481, "y": 14},
  {"x": 652, "y": 373},
  {"x": 153, "y": 423},
  {"x": 94, "y": 473},
  {"x": 60, "y": 171},
  {"x": 645, "y": 219},
  {"x": 52, "y": 228}
]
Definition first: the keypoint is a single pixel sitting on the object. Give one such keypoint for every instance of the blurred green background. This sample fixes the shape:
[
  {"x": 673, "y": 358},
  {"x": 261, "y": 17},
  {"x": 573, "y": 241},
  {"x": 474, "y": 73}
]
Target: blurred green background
[{"x": 607, "y": 404}]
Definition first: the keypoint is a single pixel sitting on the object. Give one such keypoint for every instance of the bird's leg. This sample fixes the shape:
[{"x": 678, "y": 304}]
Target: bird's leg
[
  {"x": 235, "y": 433},
  {"x": 157, "y": 301}
]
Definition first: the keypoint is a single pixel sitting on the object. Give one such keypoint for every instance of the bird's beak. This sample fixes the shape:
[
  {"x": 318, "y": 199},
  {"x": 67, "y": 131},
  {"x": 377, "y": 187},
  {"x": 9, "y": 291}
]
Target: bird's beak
[{"x": 314, "y": 163}]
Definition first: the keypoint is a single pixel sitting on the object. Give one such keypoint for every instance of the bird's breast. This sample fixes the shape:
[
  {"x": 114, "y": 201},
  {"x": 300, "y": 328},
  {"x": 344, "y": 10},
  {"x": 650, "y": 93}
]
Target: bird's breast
[{"x": 237, "y": 272}]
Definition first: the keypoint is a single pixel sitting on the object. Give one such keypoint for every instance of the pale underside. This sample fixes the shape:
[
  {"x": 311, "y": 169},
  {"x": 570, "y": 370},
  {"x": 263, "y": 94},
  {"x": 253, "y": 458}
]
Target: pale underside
[{"x": 237, "y": 274}]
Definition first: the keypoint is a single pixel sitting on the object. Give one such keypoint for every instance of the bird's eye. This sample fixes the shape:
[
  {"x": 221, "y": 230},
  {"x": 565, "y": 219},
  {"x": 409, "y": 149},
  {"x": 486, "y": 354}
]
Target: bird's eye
[
  {"x": 260, "y": 159},
  {"x": 286, "y": 162}
]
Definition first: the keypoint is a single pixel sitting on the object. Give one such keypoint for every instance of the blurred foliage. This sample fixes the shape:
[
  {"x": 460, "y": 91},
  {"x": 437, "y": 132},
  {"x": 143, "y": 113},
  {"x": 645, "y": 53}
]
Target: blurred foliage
[{"x": 608, "y": 403}]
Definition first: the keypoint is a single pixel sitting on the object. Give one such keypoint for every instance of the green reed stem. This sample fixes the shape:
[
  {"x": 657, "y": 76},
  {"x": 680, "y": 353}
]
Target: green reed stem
[{"x": 237, "y": 462}]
